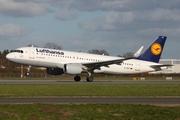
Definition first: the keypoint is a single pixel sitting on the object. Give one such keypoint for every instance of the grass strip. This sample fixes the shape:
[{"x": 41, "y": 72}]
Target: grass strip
[
  {"x": 88, "y": 112},
  {"x": 15, "y": 90}
]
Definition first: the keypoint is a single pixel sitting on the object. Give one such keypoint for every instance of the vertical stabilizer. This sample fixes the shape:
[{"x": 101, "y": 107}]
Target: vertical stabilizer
[{"x": 153, "y": 53}]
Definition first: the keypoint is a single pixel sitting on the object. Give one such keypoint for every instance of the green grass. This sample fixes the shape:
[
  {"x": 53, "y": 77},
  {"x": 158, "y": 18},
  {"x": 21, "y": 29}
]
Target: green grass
[
  {"x": 15, "y": 90},
  {"x": 87, "y": 112}
]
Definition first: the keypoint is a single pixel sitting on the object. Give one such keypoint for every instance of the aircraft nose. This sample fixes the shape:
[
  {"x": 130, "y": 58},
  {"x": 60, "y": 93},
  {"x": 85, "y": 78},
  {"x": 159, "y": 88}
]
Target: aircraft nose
[{"x": 9, "y": 56}]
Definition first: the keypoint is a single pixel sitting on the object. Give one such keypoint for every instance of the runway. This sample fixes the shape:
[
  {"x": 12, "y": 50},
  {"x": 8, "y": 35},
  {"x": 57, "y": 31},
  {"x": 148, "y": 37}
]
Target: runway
[
  {"x": 173, "y": 101},
  {"x": 94, "y": 82}
]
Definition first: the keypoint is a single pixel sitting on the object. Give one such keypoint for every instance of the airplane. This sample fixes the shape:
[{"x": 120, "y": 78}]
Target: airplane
[{"x": 58, "y": 62}]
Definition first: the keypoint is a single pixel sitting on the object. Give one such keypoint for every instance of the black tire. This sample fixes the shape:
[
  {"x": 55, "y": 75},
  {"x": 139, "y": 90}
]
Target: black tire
[
  {"x": 89, "y": 79},
  {"x": 27, "y": 74},
  {"x": 77, "y": 78}
]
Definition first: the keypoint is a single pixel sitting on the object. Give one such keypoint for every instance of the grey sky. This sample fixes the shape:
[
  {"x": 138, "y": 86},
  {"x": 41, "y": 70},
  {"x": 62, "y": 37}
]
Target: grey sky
[{"x": 118, "y": 26}]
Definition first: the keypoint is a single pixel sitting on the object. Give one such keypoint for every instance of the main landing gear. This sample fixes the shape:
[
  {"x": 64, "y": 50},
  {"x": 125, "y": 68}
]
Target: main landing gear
[
  {"x": 77, "y": 78},
  {"x": 89, "y": 78}
]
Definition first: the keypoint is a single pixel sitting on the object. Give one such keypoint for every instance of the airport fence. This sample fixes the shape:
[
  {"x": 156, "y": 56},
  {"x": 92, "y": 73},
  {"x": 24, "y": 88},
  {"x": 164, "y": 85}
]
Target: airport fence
[{"x": 33, "y": 75}]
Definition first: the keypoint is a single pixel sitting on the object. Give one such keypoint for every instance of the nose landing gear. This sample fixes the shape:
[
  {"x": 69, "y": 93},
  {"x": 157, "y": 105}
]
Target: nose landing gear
[{"x": 28, "y": 70}]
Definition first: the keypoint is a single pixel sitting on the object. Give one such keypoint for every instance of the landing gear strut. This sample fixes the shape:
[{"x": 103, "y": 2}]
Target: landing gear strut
[
  {"x": 28, "y": 70},
  {"x": 89, "y": 77}
]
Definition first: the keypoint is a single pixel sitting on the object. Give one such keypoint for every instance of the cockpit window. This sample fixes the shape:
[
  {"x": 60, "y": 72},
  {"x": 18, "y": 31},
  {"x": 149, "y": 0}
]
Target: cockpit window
[{"x": 18, "y": 51}]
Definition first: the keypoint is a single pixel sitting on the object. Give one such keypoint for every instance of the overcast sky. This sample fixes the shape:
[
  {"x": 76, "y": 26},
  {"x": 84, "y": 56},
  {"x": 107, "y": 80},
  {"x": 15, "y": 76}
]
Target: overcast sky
[{"x": 118, "y": 26}]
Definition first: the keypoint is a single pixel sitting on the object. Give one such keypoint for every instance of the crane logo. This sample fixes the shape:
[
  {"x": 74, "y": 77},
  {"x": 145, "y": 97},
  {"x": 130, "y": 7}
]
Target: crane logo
[{"x": 156, "y": 49}]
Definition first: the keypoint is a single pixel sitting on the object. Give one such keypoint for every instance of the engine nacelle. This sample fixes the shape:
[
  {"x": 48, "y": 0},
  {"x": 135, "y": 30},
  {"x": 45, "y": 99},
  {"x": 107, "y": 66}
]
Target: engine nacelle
[
  {"x": 54, "y": 71},
  {"x": 72, "y": 69}
]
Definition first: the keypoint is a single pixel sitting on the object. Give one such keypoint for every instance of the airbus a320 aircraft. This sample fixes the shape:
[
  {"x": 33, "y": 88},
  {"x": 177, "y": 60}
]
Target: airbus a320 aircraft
[{"x": 58, "y": 62}]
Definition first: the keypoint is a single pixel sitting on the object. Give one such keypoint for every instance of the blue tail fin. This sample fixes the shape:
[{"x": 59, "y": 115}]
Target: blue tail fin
[{"x": 153, "y": 53}]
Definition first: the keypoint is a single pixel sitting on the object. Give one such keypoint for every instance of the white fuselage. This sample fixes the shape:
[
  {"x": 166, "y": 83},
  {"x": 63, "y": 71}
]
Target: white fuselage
[{"x": 57, "y": 58}]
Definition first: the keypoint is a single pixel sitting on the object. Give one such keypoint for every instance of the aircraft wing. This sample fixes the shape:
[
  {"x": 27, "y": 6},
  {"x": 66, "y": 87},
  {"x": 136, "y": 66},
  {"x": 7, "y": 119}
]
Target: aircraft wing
[
  {"x": 97, "y": 65},
  {"x": 138, "y": 53}
]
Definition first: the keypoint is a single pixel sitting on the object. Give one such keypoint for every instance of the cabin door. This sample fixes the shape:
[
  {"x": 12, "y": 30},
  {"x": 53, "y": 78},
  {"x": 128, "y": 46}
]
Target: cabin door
[{"x": 32, "y": 53}]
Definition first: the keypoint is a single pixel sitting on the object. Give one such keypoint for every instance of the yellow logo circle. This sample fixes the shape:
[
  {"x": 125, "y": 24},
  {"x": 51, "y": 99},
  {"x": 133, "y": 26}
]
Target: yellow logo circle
[{"x": 156, "y": 49}]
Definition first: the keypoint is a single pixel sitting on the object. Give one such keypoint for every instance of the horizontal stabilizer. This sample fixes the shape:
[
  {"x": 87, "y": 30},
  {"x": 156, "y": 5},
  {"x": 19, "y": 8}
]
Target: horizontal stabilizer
[{"x": 160, "y": 67}]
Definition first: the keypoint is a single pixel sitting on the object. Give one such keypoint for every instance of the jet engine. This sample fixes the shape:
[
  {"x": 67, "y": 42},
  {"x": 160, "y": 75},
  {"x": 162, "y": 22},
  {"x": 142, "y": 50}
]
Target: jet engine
[{"x": 72, "y": 69}]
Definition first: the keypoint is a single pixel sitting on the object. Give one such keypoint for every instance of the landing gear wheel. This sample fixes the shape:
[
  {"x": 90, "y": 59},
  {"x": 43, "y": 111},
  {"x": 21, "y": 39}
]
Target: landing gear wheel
[
  {"x": 27, "y": 74},
  {"x": 77, "y": 78},
  {"x": 89, "y": 79}
]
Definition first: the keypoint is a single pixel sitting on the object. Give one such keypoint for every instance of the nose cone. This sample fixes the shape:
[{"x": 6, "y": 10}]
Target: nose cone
[
  {"x": 9, "y": 56},
  {"x": 13, "y": 57}
]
